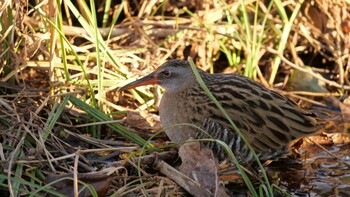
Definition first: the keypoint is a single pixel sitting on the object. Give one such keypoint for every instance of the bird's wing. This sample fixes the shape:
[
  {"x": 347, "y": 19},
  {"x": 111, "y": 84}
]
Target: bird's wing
[{"x": 267, "y": 119}]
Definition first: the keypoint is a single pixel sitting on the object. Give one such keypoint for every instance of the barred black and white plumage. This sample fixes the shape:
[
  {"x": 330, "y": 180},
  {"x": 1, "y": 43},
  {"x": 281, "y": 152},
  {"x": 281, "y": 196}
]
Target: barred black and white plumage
[{"x": 268, "y": 120}]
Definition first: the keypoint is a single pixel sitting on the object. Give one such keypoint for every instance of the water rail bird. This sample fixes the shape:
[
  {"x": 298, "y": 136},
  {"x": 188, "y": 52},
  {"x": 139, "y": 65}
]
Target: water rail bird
[{"x": 268, "y": 120}]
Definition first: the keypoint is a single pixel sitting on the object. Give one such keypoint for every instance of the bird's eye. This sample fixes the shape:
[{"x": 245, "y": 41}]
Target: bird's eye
[{"x": 166, "y": 73}]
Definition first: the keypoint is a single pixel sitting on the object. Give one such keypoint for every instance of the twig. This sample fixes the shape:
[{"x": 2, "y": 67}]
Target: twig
[
  {"x": 331, "y": 154},
  {"x": 301, "y": 98},
  {"x": 184, "y": 181},
  {"x": 150, "y": 160},
  {"x": 314, "y": 93},
  {"x": 329, "y": 82}
]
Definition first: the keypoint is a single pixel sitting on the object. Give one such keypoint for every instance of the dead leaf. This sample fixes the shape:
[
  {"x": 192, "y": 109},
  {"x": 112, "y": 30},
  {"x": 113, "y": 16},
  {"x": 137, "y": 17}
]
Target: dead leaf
[
  {"x": 308, "y": 83},
  {"x": 345, "y": 109},
  {"x": 143, "y": 120},
  {"x": 65, "y": 186},
  {"x": 201, "y": 165}
]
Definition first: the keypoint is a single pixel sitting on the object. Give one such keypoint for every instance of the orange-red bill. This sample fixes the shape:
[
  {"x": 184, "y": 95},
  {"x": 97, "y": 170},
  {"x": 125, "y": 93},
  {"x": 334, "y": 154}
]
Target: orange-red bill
[{"x": 147, "y": 80}]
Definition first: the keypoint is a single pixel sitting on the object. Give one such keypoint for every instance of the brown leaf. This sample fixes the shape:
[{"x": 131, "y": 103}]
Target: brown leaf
[
  {"x": 65, "y": 186},
  {"x": 201, "y": 165},
  {"x": 345, "y": 109},
  {"x": 143, "y": 120},
  {"x": 309, "y": 82}
]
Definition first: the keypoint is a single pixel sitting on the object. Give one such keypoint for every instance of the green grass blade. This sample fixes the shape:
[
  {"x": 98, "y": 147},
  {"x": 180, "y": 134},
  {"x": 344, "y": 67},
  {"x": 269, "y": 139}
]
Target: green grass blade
[
  {"x": 53, "y": 117},
  {"x": 106, "y": 13},
  {"x": 100, "y": 95},
  {"x": 98, "y": 115},
  {"x": 284, "y": 37}
]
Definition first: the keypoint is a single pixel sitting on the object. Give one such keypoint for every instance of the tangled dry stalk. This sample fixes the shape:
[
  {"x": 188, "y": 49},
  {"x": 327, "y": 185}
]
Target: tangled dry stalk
[{"x": 48, "y": 54}]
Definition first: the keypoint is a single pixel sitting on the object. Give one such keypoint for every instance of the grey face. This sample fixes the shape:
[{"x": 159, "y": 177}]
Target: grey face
[{"x": 174, "y": 78}]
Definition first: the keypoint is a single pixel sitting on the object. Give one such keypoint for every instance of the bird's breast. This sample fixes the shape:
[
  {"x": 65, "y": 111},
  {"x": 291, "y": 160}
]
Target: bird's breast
[{"x": 178, "y": 116}]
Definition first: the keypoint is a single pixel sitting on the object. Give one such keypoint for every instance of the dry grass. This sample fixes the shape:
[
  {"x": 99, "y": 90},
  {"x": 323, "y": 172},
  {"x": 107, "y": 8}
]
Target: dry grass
[{"x": 51, "y": 54}]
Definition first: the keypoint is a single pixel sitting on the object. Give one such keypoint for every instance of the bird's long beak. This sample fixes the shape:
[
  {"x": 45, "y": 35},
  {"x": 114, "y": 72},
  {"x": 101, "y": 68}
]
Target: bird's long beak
[{"x": 146, "y": 80}]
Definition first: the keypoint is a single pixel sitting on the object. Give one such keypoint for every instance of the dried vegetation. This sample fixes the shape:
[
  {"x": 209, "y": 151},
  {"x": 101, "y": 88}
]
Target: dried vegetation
[{"x": 53, "y": 60}]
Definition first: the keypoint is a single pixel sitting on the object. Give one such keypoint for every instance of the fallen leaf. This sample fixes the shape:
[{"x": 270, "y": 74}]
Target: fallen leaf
[
  {"x": 143, "y": 120},
  {"x": 345, "y": 109},
  {"x": 201, "y": 165},
  {"x": 303, "y": 81},
  {"x": 65, "y": 186}
]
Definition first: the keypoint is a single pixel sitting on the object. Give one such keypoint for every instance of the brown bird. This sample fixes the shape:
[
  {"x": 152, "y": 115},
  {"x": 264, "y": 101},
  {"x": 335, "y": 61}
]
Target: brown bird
[{"x": 268, "y": 120}]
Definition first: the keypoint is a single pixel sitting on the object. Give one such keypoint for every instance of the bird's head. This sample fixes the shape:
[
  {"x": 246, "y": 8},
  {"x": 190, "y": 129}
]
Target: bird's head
[{"x": 173, "y": 76}]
